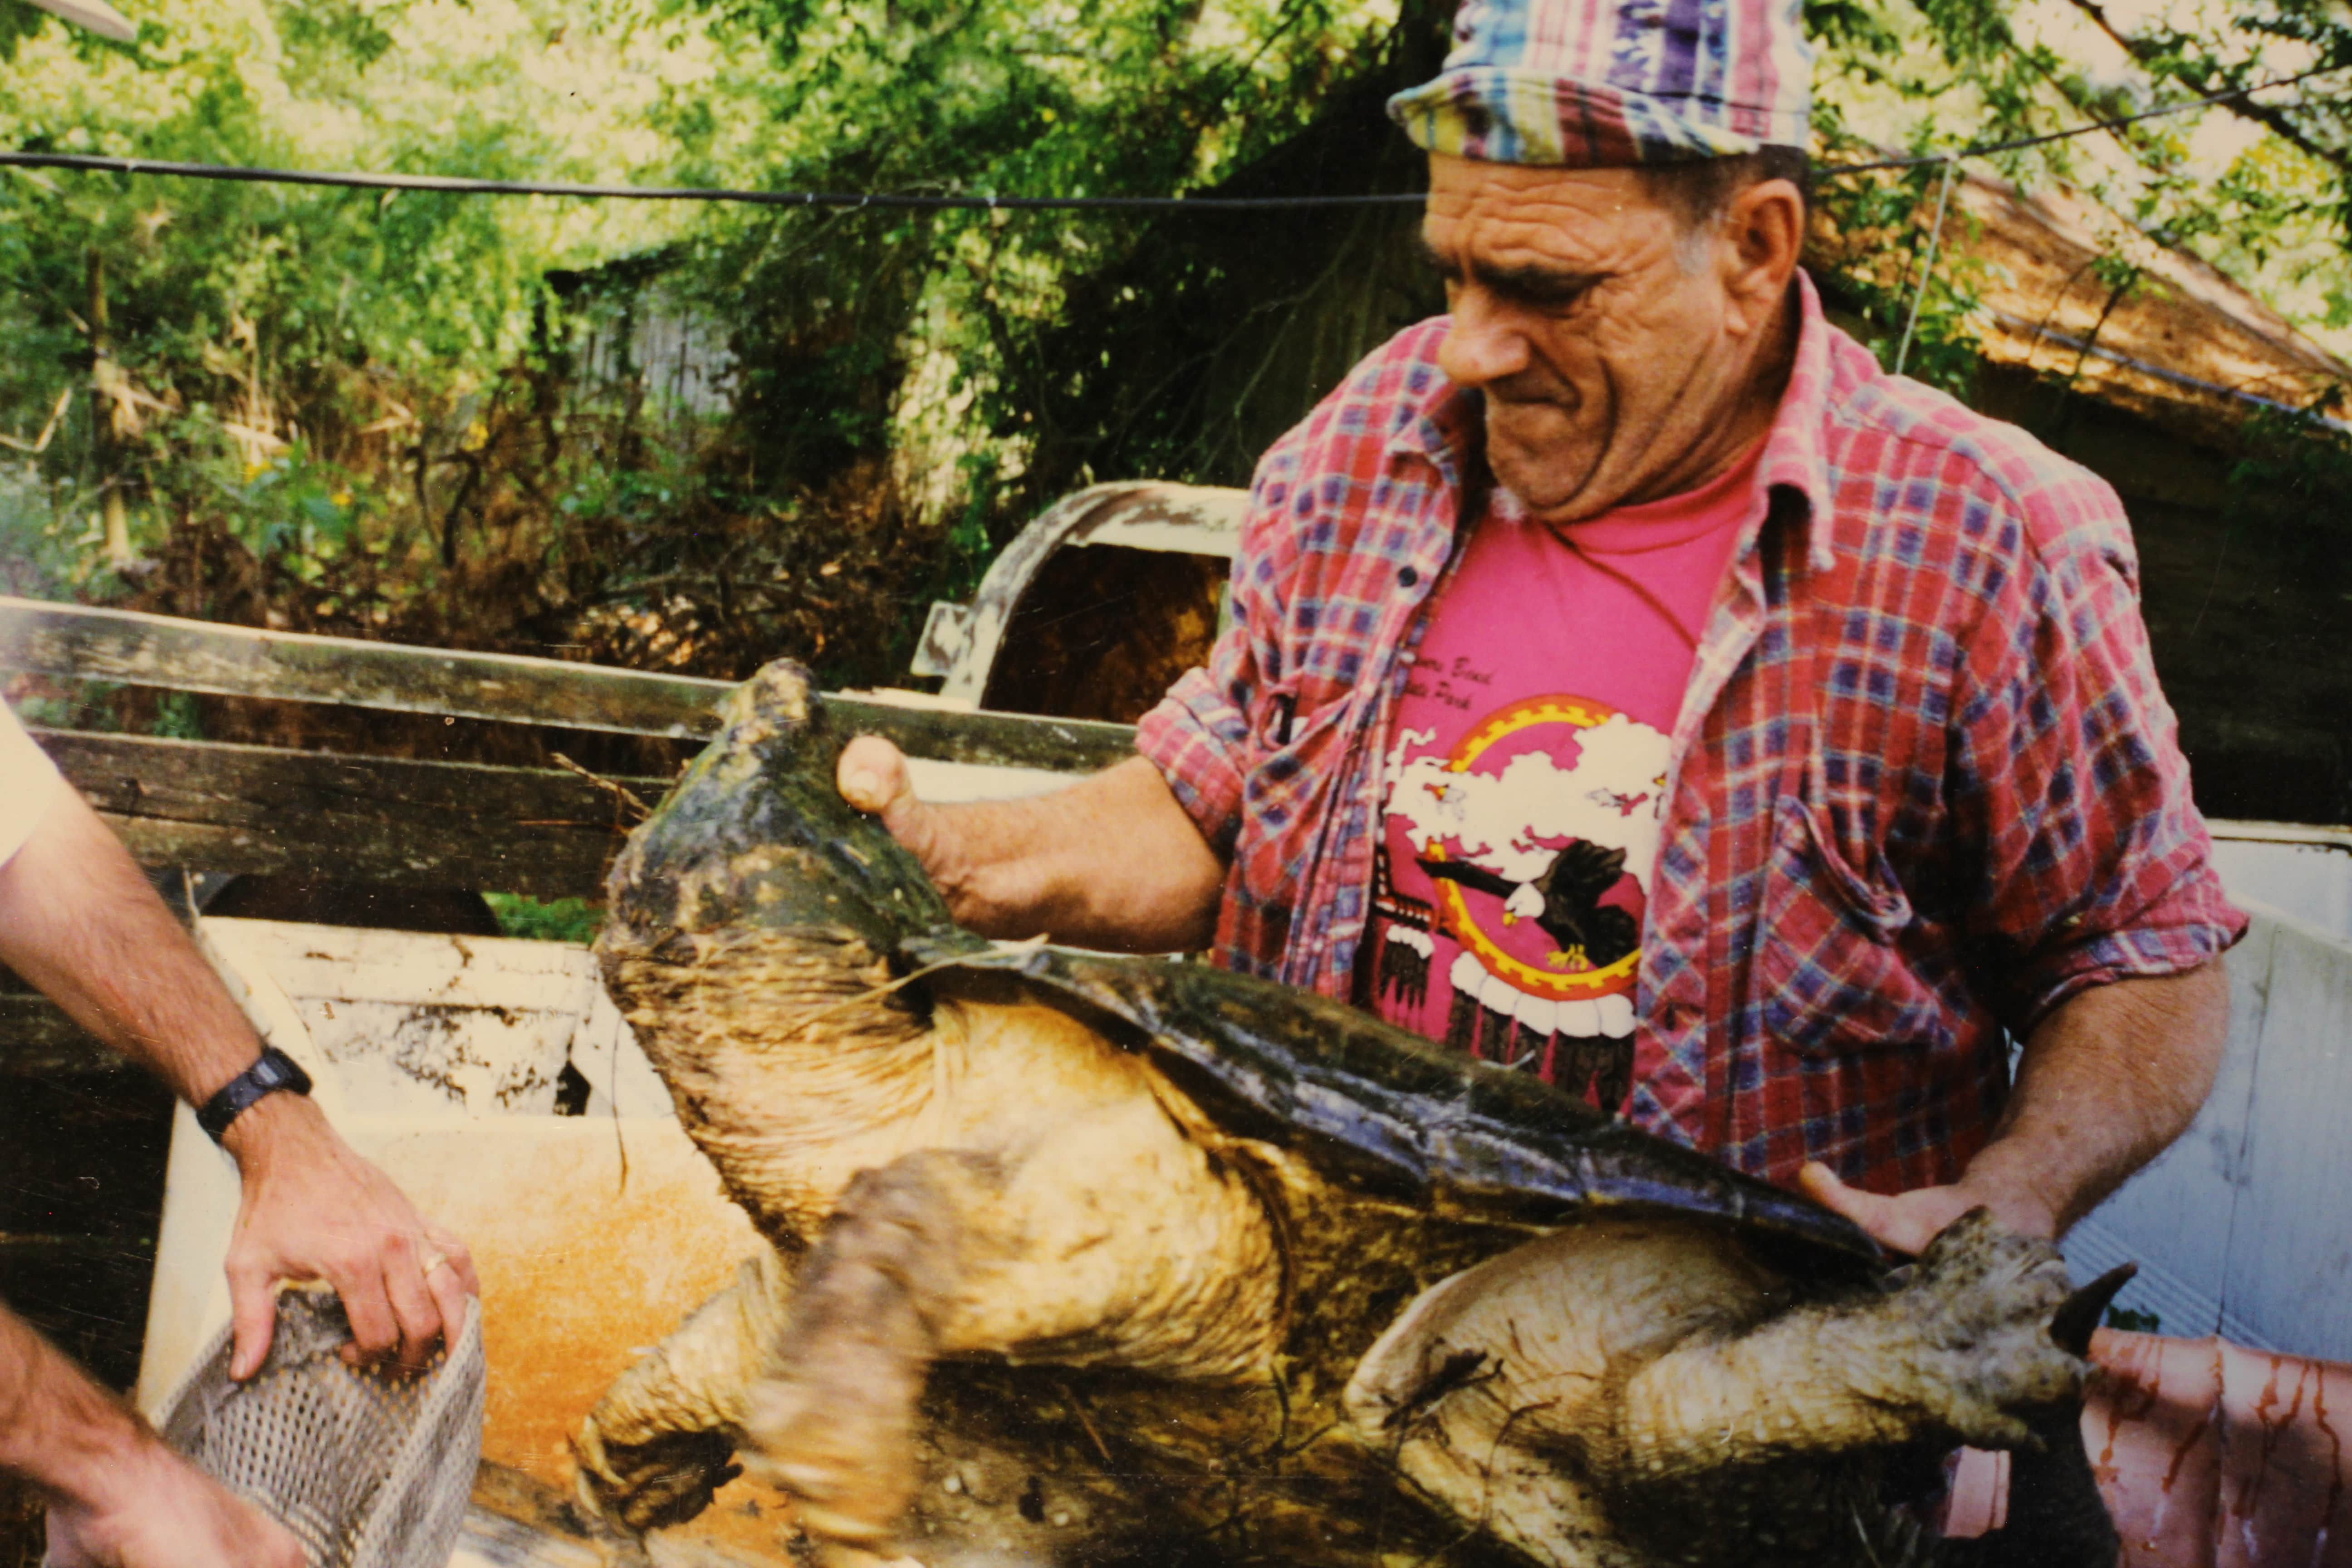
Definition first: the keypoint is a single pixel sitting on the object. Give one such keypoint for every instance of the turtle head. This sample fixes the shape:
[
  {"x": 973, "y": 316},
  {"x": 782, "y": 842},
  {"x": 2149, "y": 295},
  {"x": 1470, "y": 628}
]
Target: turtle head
[{"x": 755, "y": 835}]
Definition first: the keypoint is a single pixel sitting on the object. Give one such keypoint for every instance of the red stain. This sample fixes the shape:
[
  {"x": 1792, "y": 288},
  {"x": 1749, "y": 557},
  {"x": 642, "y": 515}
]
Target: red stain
[
  {"x": 2335, "y": 1455},
  {"x": 2209, "y": 1454},
  {"x": 2181, "y": 1455}
]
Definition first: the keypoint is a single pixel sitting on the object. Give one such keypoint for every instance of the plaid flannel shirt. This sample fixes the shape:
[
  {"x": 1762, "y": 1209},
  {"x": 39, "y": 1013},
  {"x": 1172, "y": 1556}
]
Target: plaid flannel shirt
[{"x": 1924, "y": 787}]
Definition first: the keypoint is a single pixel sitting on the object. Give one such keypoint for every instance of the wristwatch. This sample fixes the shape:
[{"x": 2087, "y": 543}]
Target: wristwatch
[{"x": 274, "y": 1071}]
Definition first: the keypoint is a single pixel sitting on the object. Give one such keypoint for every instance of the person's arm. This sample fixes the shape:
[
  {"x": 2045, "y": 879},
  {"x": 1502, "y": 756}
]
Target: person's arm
[
  {"x": 79, "y": 921},
  {"x": 1113, "y": 861},
  {"x": 1134, "y": 858},
  {"x": 2109, "y": 1078},
  {"x": 116, "y": 1495},
  {"x": 2098, "y": 919}
]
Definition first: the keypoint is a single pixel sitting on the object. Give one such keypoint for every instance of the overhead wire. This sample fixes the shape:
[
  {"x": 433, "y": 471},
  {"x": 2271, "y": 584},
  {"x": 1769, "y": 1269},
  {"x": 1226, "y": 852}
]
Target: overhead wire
[
  {"x": 927, "y": 202},
  {"x": 1928, "y": 268},
  {"x": 1986, "y": 150},
  {"x": 917, "y": 201}
]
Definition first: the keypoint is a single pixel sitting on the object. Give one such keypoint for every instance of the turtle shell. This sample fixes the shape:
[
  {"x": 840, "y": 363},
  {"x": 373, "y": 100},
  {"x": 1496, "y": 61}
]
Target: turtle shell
[
  {"x": 1377, "y": 1105},
  {"x": 1382, "y": 1106}
]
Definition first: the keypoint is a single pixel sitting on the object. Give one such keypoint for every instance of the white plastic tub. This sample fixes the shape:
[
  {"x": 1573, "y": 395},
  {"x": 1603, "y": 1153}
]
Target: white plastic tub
[{"x": 436, "y": 1056}]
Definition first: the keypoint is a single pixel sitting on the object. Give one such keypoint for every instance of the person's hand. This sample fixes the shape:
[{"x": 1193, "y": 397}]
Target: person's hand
[
  {"x": 873, "y": 776},
  {"x": 154, "y": 1509},
  {"x": 314, "y": 1209},
  {"x": 1908, "y": 1222},
  {"x": 1113, "y": 860}
]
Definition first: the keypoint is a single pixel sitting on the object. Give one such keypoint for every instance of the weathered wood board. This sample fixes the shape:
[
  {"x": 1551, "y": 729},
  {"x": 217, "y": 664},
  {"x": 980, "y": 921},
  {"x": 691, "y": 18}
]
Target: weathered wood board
[
  {"x": 195, "y": 656},
  {"x": 36, "y": 1039},
  {"x": 77, "y": 642},
  {"x": 377, "y": 820}
]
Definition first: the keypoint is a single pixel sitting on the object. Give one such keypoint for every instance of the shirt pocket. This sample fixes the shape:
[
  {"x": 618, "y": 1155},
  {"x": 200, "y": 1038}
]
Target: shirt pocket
[
  {"x": 1295, "y": 751},
  {"x": 1832, "y": 978},
  {"x": 1293, "y": 748}
]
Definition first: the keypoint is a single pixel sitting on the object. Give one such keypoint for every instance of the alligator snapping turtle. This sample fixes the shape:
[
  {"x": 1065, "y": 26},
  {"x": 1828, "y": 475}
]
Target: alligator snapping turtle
[{"x": 1077, "y": 1255}]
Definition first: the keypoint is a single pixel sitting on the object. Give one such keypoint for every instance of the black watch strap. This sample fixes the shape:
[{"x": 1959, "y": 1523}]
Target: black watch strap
[{"x": 274, "y": 1071}]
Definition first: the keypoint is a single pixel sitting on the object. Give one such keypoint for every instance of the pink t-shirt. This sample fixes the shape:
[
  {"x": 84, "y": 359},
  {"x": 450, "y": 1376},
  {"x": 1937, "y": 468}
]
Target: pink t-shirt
[{"x": 1523, "y": 789}]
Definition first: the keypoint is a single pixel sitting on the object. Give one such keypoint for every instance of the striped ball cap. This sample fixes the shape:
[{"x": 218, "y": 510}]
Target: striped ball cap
[{"x": 1600, "y": 84}]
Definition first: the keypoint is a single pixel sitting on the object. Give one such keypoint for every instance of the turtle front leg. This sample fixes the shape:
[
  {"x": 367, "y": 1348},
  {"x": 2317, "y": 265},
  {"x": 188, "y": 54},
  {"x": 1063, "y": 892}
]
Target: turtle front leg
[
  {"x": 662, "y": 1439},
  {"x": 1961, "y": 1353},
  {"x": 833, "y": 1422},
  {"x": 1103, "y": 1235}
]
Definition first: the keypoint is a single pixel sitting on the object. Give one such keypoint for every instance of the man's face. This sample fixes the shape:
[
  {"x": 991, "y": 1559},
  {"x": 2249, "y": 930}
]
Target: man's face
[{"x": 1603, "y": 332}]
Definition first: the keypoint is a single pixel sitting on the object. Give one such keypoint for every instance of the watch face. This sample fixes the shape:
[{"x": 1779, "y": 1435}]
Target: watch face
[
  {"x": 284, "y": 1071},
  {"x": 274, "y": 1071}
]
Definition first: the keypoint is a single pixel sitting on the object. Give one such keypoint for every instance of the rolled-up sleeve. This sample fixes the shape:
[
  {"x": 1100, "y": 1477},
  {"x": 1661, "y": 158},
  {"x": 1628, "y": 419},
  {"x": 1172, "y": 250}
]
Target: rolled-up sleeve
[
  {"x": 1196, "y": 737},
  {"x": 1202, "y": 734},
  {"x": 28, "y": 785},
  {"x": 2097, "y": 864}
]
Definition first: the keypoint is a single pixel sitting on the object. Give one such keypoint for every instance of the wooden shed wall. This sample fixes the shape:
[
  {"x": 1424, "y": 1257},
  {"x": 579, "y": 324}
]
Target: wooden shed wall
[{"x": 2248, "y": 601}]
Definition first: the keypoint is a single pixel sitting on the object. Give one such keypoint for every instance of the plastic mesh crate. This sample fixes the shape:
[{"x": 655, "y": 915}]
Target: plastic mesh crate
[{"x": 367, "y": 1469}]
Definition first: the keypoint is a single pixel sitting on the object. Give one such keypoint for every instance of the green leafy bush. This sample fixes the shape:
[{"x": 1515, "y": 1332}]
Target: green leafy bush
[{"x": 559, "y": 920}]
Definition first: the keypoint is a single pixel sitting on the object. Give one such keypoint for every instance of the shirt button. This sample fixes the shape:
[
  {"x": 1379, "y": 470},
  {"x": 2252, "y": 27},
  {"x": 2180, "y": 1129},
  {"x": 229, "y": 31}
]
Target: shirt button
[{"x": 1408, "y": 576}]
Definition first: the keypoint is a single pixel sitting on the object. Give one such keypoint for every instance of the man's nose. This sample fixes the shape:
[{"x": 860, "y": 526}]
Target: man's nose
[{"x": 1483, "y": 344}]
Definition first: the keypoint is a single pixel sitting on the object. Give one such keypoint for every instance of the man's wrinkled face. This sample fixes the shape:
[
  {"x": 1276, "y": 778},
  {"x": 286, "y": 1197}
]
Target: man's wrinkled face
[{"x": 1594, "y": 321}]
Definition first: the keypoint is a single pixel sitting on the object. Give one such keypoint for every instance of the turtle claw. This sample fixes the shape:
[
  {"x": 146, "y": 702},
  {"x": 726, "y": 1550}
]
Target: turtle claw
[
  {"x": 666, "y": 1480},
  {"x": 1971, "y": 1333}
]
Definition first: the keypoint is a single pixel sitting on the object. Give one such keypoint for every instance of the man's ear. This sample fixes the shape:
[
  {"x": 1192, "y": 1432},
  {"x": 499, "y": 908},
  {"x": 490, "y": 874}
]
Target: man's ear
[{"x": 1764, "y": 235}]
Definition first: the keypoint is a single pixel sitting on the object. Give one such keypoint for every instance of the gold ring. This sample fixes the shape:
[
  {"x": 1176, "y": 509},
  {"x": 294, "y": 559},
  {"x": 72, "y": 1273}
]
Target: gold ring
[{"x": 435, "y": 1261}]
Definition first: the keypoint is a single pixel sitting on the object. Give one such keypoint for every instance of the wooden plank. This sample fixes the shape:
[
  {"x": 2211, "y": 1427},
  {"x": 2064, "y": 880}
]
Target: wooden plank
[
  {"x": 37, "y": 1040},
  {"x": 239, "y": 661},
  {"x": 217, "y": 807},
  {"x": 1006, "y": 740},
  {"x": 18, "y": 1250},
  {"x": 79, "y": 642}
]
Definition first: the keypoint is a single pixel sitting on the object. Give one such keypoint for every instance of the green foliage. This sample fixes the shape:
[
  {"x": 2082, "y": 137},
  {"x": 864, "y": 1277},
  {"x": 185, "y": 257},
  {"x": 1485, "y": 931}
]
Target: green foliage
[
  {"x": 1883, "y": 277},
  {"x": 2261, "y": 186},
  {"x": 556, "y": 920},
  {"x": 302, "y": 372},
  {"x": 866, "y": 335},
  {"x": 425, "y": 417}
]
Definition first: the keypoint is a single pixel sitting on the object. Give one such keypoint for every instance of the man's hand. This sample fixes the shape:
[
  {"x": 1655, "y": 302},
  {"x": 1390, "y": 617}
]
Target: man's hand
[
  {"x": 1113, "y": 861},
  {"x": 1909, "y": 1221},
  {"x": 116, "y": 1497},
  {"x": 314, "y": 1209},
  {"x": 2109, "y": 1078},
  {"x": 78, "y": 920},
  {"x": 872, "y": 775},
  {"x": 154, "y": 1509}
]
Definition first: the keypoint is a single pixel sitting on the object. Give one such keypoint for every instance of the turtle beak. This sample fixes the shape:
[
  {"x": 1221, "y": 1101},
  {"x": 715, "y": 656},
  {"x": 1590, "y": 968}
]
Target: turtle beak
[{"x": 2071, "y": 1326}]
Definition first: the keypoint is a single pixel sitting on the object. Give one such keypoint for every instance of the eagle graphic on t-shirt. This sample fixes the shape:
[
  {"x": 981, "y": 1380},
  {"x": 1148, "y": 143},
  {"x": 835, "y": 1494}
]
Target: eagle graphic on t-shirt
[
  {"x": 1564, "y": 899},
  {"x": 1531, "y": 842},
  {"x": 1550, "y": 841}
]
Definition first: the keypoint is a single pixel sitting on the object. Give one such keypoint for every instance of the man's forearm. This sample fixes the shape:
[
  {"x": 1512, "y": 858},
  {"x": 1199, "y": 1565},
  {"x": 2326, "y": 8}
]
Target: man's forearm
[
  {"x": 2109, "y": 1078},
  {"x": 79, "y": 921},
  {"x": 115, "y": 1492},
  {"x": 1113, "y": 861},
  {"x": 2106, "y": 1082},
  {"x": 58, "y": 1429}
]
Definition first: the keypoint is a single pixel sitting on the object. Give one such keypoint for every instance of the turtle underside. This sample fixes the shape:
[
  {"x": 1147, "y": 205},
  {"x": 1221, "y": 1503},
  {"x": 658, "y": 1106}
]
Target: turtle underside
[{"x": 1094, "y": 1257}]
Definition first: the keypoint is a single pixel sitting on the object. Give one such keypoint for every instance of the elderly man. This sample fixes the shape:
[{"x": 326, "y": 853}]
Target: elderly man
[
  {"x": 78, "y": 920},
  {"x": 1630, "y": 681}
]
